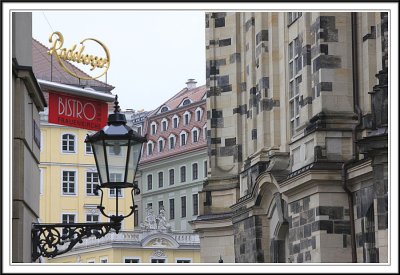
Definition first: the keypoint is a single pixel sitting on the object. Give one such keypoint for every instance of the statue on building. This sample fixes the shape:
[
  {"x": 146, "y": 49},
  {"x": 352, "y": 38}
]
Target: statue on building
[
  {"x": 150, "y": 220},
  {"x": 162, "y": 223}
]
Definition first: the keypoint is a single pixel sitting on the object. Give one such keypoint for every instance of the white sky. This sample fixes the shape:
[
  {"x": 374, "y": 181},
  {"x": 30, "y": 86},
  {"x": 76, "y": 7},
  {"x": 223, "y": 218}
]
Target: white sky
[{"x": 152, "y": 53}]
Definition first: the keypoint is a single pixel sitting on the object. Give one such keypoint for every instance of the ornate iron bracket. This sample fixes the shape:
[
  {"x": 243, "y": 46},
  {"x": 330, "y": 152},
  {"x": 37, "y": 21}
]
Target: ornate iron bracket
[{"x": 48, "y": 238}]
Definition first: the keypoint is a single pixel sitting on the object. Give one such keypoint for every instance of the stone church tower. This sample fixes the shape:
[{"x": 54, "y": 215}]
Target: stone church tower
[{"x": 297, "y": 138}]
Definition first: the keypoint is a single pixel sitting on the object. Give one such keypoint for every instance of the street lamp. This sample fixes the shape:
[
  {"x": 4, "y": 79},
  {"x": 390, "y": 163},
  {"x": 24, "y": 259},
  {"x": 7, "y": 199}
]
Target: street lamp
[{"x": 117, "y": 149}]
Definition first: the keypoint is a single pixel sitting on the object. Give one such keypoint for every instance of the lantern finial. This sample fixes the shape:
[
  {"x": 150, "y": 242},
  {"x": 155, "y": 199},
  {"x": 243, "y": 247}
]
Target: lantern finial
[{"x": 117, "y": 109}]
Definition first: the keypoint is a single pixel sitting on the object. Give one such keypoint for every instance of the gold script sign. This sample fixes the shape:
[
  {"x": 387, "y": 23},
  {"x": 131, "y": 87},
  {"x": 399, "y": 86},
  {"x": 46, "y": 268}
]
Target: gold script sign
[{"x": 75, "y": 54}]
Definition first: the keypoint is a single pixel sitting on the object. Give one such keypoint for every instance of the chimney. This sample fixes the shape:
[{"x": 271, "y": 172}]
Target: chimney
[{"x": 191, "y": 83}]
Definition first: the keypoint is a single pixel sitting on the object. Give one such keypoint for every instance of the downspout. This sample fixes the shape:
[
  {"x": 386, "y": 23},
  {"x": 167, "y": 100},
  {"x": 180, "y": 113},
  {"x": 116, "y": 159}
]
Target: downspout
[{"x": 357, "y": 110}]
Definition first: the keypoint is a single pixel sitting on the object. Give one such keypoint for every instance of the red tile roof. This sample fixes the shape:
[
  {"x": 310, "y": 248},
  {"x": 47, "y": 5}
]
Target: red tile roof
[
  {"x": 196, "y": 95},
  {"x": 47, "y": 69}
]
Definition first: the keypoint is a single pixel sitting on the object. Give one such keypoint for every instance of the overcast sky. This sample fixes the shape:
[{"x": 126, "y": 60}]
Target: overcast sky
[{"x": 152, "y": 53}]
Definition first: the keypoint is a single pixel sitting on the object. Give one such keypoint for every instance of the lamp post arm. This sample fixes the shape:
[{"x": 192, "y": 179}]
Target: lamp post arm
[{"x": 48, "y": 239}]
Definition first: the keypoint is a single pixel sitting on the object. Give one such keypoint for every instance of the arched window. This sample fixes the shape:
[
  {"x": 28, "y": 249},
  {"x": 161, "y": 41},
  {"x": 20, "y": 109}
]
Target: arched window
[
  {"x": 164, "y": 109},
  {"x": 186, "y": 102}
]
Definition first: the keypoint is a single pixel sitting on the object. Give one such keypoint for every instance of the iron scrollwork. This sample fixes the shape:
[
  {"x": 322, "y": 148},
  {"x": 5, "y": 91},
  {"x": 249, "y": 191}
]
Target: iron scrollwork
[{"x": 48, "y": 238}]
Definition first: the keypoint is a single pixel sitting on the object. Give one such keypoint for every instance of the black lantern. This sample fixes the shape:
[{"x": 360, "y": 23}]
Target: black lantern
[{"x": 117, "y": 150}]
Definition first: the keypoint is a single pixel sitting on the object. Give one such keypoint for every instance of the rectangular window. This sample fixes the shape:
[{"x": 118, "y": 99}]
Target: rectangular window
[
  {"x": 68, "y": 143},
  {"x": 164, "y": 126},
  {"x": 160, "y": 205},
  {"x": 160, "y": 145},
  {"x": 195, "y": 204},
  {"x": 131, "y": 261},
  {"x": 183, "y": 261},
  {"x": 157, "y": 260},
  {"x": 153, "y": 129},
  {"x": 171, "y": 209},
  {"x": 150, "y": 148},
  {"x": 103, "y": 260},
  {"x": 198, "y": 115},
  {"x": 183, "y": 207},
  {"x": 88, "y": 148},
  {"x": 171, "y": 176},
  {"x": 183, "y": 173},
  {"x": 68, "y": 218},
  {"x": 205, "y": 169},
  {"x": 186, "y": 119},
  {"x": 171, "y": 143},
  {"x": 149, "y": 182},
  {"x": 175, "y": 122},
  {"x": 149, "y": 205},
  {"x": 195, "y": 136},
  {"x": 68, "y": 182},
  {"x": 92, "y": 218},
  {"x": 139, "y": 130},
  {"x": 195, "y": 171},
  {"x": 92, "y": 180},
  {"x": 160, "y": 179},
  {"x": 183, "y": 139}
]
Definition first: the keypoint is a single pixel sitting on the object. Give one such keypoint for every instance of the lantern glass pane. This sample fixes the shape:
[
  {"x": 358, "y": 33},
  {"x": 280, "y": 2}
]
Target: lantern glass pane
[
  {"x": 134, "y": 155},
  {"x": 98, "y": 151},
  {"x": 116, "y": 151}
]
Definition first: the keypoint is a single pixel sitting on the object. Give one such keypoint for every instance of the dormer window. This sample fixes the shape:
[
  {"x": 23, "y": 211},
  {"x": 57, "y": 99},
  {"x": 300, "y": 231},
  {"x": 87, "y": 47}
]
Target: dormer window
[
  {"x": 172, "y": 141},
  {"x": 183, "y": 137},
  {"x": 153, "y": 128},
  {"x": 149, "y": 148},
  {"x": 186, "y": 102},
  {"x": 198, "y": 113},
  {"x": 186, "y": 118},
  {"x": 175, "y": 120},
  {"x": 160, "y": 145},
  {"x": 164, "y": 109},
  {"x": 195, "y": 135},
  {"x": 164, "y": 125}
]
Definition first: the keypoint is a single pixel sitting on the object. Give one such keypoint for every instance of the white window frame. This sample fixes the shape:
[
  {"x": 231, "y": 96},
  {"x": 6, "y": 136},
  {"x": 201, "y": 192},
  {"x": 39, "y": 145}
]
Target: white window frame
[
  {"x": 189, "y": 118},
  {"x": 163, "y": 144},
  {"x": 195, "y": 129},
  {"x": 74, "y": 140},
  {"x": 177, "y": 124},
  {"x": 169, "y": 176},
  {"x": 86, "y": 145},
  {"x": 155, "y": 128},
  {"x": 200, "y": 110},
  {"x": 75, "y": 183},
  {"x": 131, "y": 258},
  {"x": 103, "y": 258},
  {"x": 92, "y": 214},
  {"x": 293, "y": 89},
  {"x": 180, "y": 138},
  {"x": 152, "y": 147},
  {"x": 197, "y": 170},
  {"x": 180, "y": 174},
  {"x": 69, "y": 213},
  {"x": 93, "y": 183},
  {"x": 166, "y": 125},
  {"x": 147, "y": 181},
  {"x": 183, "y": 101},
  {"x": 169, "y": 141}
]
